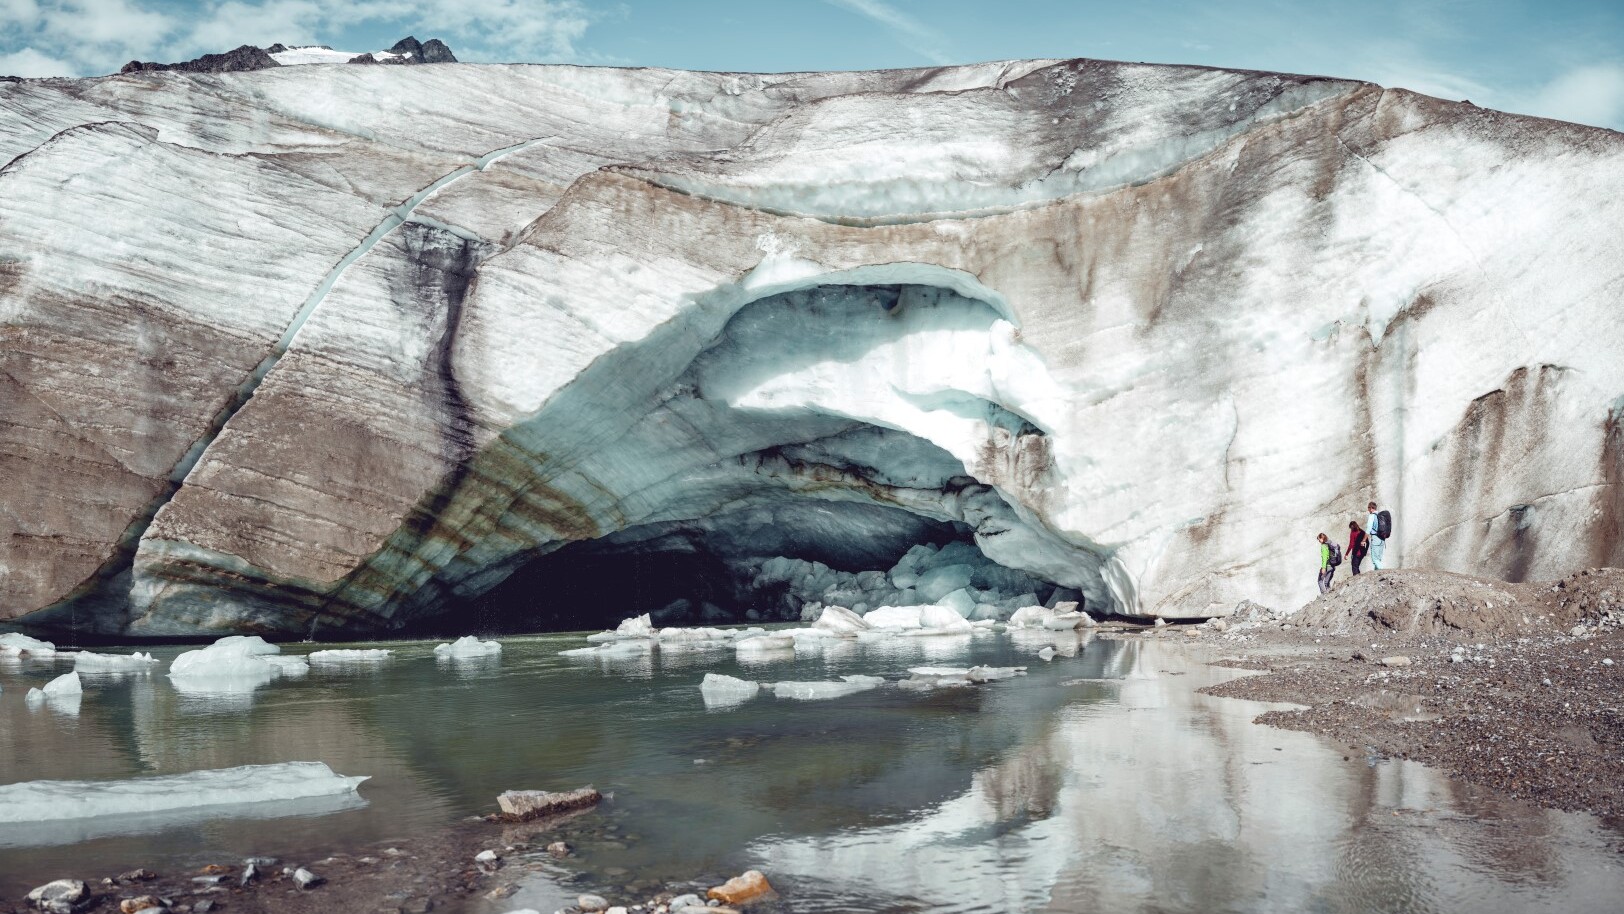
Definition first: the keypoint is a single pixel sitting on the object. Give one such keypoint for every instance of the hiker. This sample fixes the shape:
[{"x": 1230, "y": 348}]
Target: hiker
[
  {"x": 1330, "y": 557},
  {"x": 1379, "y": 529},
  {"x": 1358, "y": 545}
]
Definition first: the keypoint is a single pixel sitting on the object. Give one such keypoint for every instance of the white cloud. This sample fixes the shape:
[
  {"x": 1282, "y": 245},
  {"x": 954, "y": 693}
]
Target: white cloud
[
  {"x": 1591, "y": 94},
  {"x": 920, "y": 38},
  {"x": 31, "y": 63},
  {"x": 99, "y": 36}
]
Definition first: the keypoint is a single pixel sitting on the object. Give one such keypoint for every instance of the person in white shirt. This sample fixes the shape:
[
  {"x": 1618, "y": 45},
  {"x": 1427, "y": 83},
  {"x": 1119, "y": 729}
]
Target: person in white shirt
[{"x": 1373, "y": 528}]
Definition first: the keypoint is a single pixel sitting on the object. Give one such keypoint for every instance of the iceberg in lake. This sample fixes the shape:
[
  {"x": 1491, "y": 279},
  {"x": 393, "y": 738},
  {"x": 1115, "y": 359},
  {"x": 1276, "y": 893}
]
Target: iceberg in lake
[
  {"x": 15, "y": 644},
  {"x": 63, "y": 812},
  {"x": 352, "y": 657},
  {"x": 721, "y": 691},
  {"x": 232, "y": 667},
  {"x": 466, "y": 647},
  {"x": 817, "y": 691},
  {"x": 113, "y": 663}
]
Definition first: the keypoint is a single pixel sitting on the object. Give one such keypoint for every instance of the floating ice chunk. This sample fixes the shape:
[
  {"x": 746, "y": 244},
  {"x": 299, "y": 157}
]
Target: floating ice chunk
[
  {"x": 1047, "y": 653},
  {"x": 693, "y": 634},
  {"x": 35, "y": 697},
  {"x": 337, "y": 657},
  {"x": 113, "y": 663},
  {"x": 893, "y": 616},
  {"x": 45, "y": 801},
  {"x": 629, "y": 648},
  {"x": 636, "y": 627},
  {"x": 1065, "y": 622},
  {"x": 721, "y": 691},
  {"x": 470, "y": 646},
  {"x": 841, "y": 621},
  {"x": 994, "y": 673},
  {"x": 287, "y": 664},
  {"x": 954, "y": 671},
  {"x": 581, "y": 652},
  {"x": 765, "y": 643},
  {"x": 933, "y": 681},
  {"x": 13, "y": 644},
  {"x": 1029, "y": 617},
  {"x": 226, "y": 656},
  {"x": 816, "y": 691},
  {"x": 935, "y": 620},
  {"x": 63, "y": 686},
  {"x": 234, "y": 665}
]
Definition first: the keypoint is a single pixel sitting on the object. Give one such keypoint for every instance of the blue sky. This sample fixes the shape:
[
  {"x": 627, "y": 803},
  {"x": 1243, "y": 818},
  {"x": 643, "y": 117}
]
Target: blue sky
[{"x": 1557, "y": 58}]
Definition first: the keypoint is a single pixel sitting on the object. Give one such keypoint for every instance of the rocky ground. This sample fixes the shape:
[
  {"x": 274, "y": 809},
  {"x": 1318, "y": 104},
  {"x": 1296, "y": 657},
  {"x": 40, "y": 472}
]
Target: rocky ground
[
  {"x": 1516, "y": 687},
  {"x": 474, "y": 865}
]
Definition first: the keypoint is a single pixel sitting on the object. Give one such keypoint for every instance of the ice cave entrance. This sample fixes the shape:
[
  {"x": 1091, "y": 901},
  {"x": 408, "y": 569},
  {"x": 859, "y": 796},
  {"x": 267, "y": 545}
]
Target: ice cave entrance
[{"x": 863, "y": 444}]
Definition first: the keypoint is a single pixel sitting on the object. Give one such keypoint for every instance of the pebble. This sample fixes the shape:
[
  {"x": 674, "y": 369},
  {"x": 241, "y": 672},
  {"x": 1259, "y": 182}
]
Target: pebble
[
  {"x": 592, "y": 903},
  {"x": 1607, "y": 661},
  {"x": 260, "y": 861},
  {"x": 686, "y": 901},
  {"x": 1398, "y": 660},
  {"x": 140, "y": 903}
]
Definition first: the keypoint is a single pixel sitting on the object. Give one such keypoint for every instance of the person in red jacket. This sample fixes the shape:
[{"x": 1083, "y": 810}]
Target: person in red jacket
[{"x": 1358, "y": 545}]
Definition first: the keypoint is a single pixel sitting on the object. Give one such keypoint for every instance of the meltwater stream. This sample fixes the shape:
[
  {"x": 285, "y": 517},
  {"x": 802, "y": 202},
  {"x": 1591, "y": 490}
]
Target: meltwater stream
[{"x": 1098, "y": 782}]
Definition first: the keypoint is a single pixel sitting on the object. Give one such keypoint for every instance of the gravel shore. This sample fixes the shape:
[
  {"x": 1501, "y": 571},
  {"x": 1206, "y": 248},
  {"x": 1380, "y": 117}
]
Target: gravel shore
[{"x": 1519, "y": 688}]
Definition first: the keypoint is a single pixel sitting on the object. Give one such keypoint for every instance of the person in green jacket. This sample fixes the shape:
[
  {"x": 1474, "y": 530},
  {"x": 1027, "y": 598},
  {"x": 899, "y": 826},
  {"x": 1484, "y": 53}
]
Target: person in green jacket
[{"x": 1327, "y": 566}]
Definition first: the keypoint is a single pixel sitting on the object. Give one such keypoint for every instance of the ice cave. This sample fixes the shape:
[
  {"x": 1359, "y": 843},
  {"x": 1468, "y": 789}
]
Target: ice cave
[{"x": 847, "y": 442}]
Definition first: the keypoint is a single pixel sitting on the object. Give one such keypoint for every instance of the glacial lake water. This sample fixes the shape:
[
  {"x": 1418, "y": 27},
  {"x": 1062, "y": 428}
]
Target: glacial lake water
[{"x": 1099, "y": 782}]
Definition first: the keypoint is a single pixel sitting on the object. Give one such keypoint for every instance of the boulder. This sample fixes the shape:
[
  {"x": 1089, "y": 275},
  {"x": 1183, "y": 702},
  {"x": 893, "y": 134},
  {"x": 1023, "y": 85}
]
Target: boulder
[
  {"x": 533, "y": 804},
  {"x": 745, "y": 887},
  {"x": 61, "y": 896}
]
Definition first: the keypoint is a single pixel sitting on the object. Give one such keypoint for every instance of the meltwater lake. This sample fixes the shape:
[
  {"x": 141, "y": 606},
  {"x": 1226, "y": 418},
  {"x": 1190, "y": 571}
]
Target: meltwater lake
[{"x": 1099, "y": 781}]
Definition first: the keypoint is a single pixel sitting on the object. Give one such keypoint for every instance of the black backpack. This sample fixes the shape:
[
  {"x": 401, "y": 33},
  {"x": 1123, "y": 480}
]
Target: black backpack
[
  {"x": 1336, "y": 554},
  {"x": 1384, "y": 524}
]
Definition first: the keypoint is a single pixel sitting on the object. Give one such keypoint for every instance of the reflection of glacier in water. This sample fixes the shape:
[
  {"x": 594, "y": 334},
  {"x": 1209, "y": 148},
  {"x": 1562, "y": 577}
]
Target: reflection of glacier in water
[{"x": 1099, "y": 781}]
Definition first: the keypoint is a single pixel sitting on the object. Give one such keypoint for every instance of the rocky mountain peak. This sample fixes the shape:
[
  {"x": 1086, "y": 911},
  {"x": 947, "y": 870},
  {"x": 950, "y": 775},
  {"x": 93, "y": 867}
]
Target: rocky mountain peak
[{"x": 246, "y": 57}]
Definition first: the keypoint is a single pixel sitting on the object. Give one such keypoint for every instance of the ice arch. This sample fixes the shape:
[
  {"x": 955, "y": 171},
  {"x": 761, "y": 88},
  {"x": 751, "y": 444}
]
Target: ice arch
[{"x": 840, "y": 419}]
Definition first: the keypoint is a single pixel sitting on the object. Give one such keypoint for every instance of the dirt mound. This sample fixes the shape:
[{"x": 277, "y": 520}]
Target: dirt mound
[{"x": 1458, "y": 606}]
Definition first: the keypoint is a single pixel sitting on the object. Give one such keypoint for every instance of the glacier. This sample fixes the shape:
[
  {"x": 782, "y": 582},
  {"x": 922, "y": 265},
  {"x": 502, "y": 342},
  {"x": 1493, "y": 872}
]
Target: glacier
[{"x": 336, "y": 349}]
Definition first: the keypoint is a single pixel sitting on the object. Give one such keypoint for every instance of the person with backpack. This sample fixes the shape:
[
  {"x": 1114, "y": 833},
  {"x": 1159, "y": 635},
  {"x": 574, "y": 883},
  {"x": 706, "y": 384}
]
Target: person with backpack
[
  {"x": 1358, "y": 545},
  {"x": 1330, "y": 557},
  {"x": 1379, "y": 529}
]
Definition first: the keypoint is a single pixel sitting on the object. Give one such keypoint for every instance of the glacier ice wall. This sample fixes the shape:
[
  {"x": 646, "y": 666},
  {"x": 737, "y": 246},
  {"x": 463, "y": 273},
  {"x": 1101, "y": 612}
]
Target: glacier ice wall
[{"x": 349, "y": 346}]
